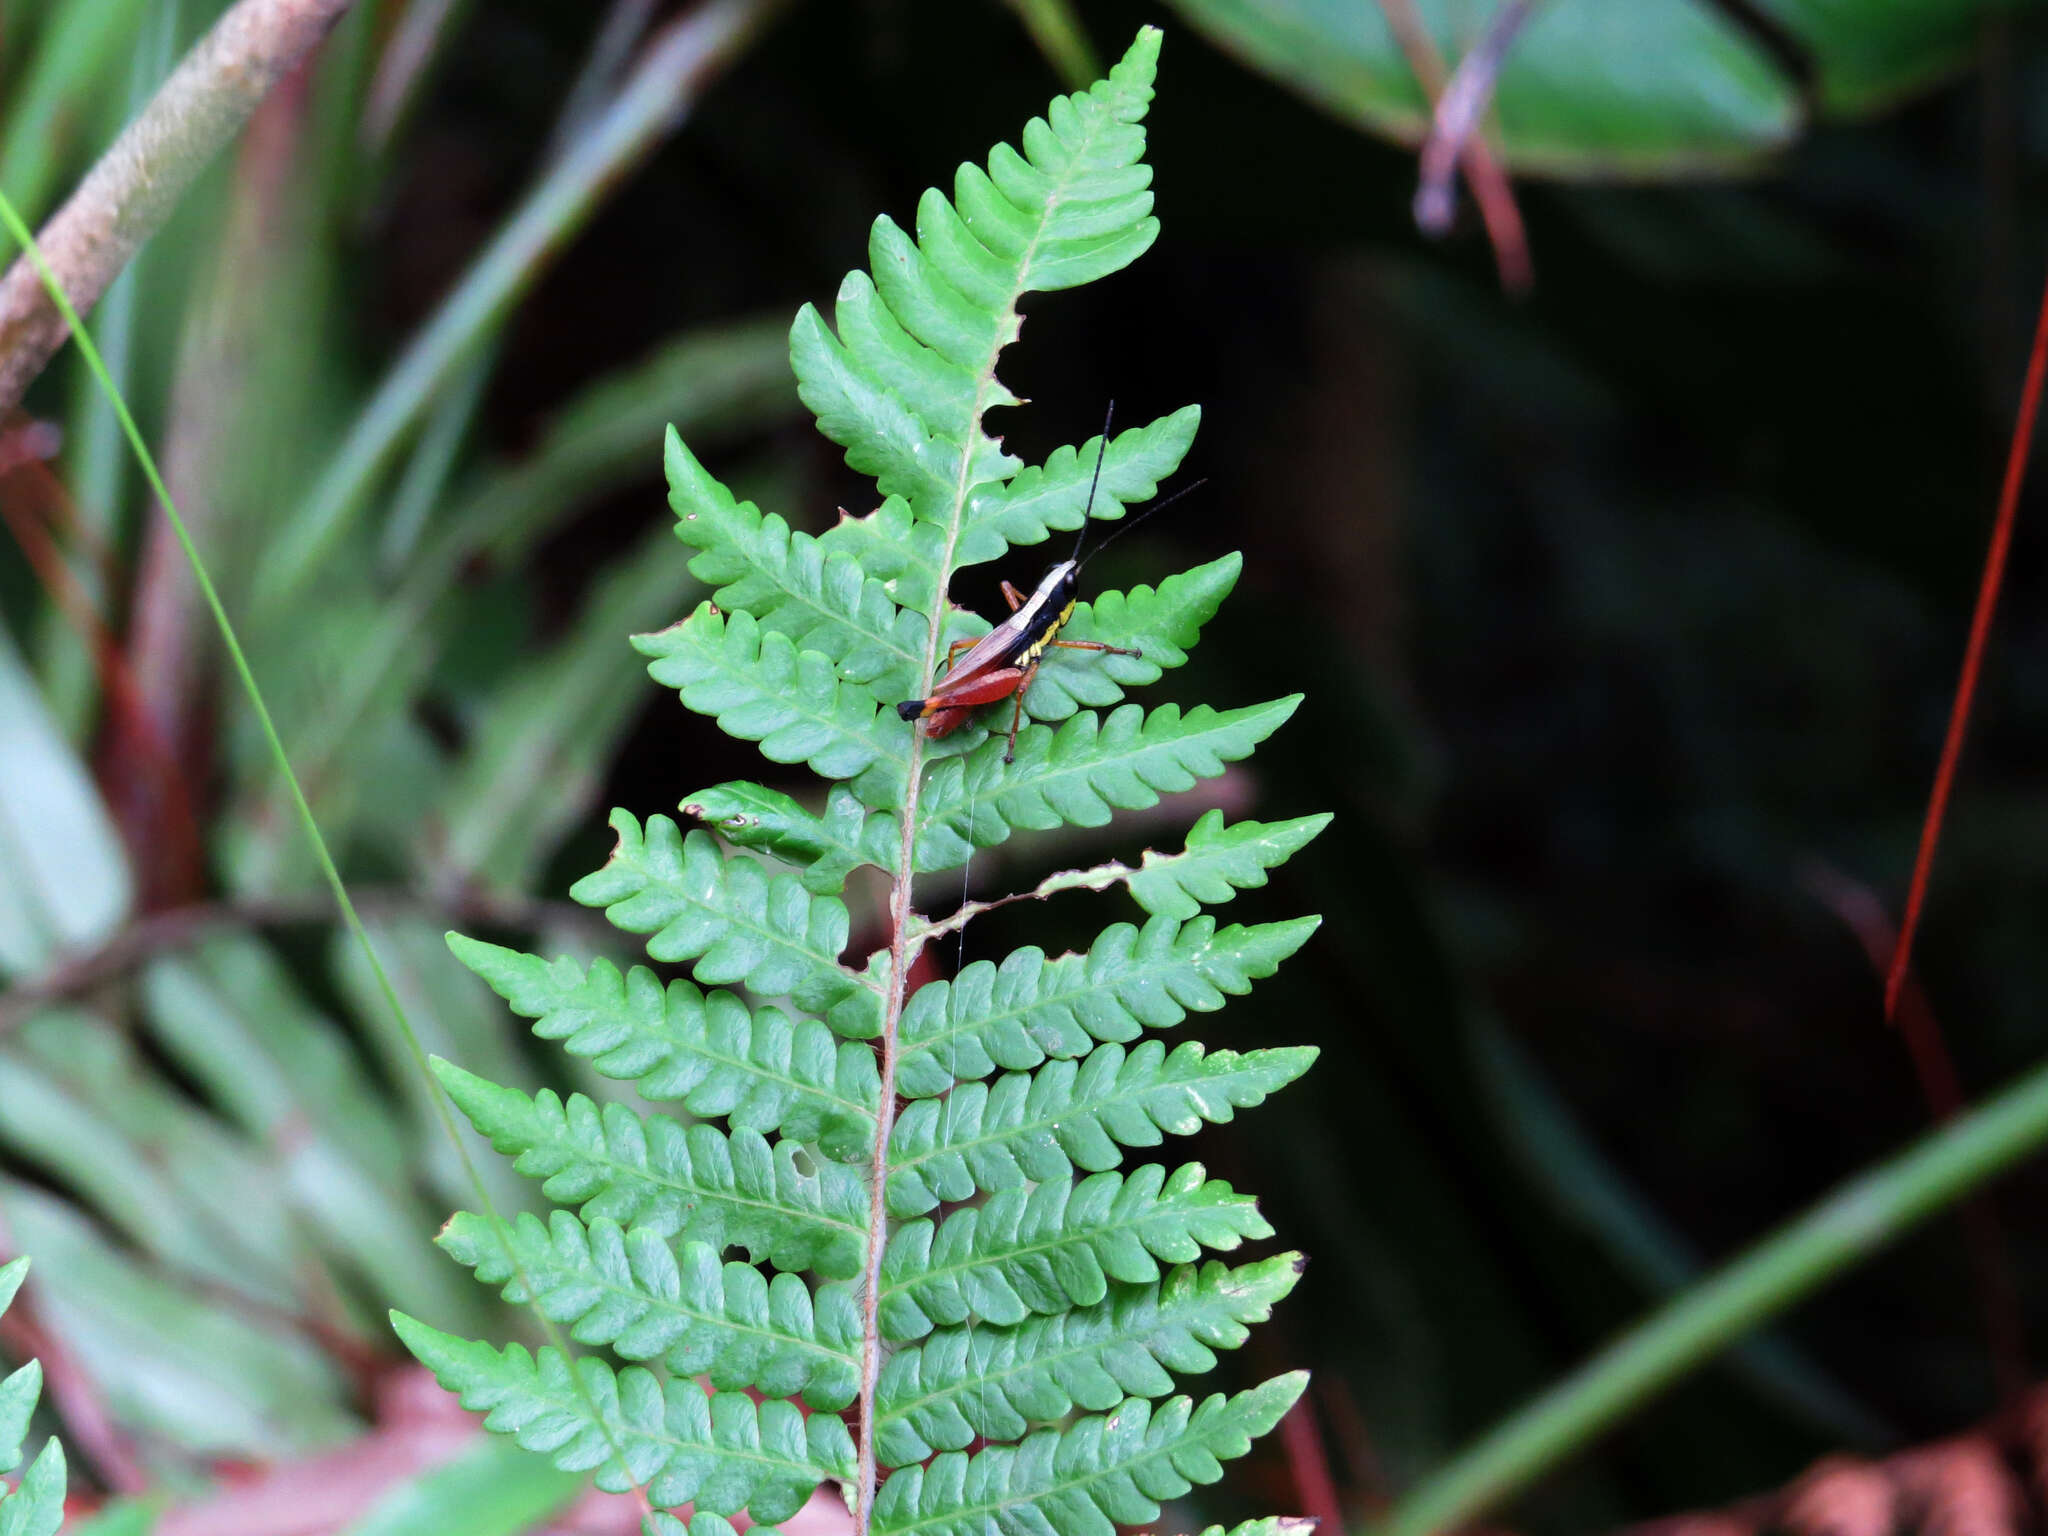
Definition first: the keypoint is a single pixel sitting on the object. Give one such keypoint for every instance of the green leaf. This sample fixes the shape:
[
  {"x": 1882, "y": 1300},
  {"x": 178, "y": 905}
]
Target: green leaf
[
  {"x": 1162, "y": 624},
  {"x": 1083, "y": 771},
  {"x": 1867, "y": 56},
  {"x": 763, "y": 1071},
  {"x": 995, "y": 1383},
  {"x": 1035, "y": 1126},
  {"x": 63, "y": 877},
  {"x": 19, "y": 1394},
  {"x": 1031, "y": 1008},
  {"x": 761, "y": 687},
  {"x": 903, "y": 385},
  {"x": 732, "y": 918},
  {"x": 1057, "y": 1245},
  {"x": 630, "y": 1290},
  {"x": 12, "y": 1273},
  {"x": 826, "y": 848},
  {"x": 891, "y": 544},
  {"x": 792, "y": 584},
  {"x": 720, "y": 1450},
  {"x": 689, "y": 1182},
  {"x": 1218, "y": 861},
  {"x": 543, "y": 738},
  {"x": 1270, "y": 1525},
  {"x": 210, "y": 1377},
  {"x": 1659, "y": 87},
  {"x": 1089, "y": 1478},
  {"x": 36, "y": 1508}
]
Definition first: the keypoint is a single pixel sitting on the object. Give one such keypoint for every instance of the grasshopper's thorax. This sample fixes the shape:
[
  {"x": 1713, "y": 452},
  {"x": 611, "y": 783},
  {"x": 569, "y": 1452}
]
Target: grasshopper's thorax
[{"x": 1051, "y": 605}]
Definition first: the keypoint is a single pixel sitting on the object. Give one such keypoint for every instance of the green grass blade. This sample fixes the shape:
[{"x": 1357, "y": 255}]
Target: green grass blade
[{"x": 1858, "y": 1219}]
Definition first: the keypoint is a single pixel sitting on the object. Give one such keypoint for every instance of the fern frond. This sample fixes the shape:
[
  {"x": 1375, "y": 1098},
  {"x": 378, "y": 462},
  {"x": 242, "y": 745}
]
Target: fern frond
[
  {"x": 720, "y": 1450},
  {"x": 1057, "y": 1246},
  {"x": 1059, "y": 1284},
  {"x": 1083, "y": 771},
  {"x": 825, "y": 849},
  {"x": 1016, "y": 1015},
  {"x": 692, "y": 1182},
  {"x": 1036, "y": 1126},
  {"x": 761, "y": 686},
  {"x": 1088, "y": 1479},
  {"x": 995, "y": 1383},
  {"x": 903, "y": 385},
  {"x": 791, "y": 583},
  {"x": 736, "y": 921},
  {"x": 763, "y": 1071},
  {"x": 628, "y": 1288}
]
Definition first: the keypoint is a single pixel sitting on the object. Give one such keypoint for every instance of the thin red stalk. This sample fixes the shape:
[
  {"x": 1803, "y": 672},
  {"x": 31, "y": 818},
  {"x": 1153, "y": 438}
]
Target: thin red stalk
[
  {"x": 1315, "y": 1490},
  {"x": 1973, "y": 656},
  {"x": 1491, "y": 189},
  {"x": 1984, "y": 1239}
]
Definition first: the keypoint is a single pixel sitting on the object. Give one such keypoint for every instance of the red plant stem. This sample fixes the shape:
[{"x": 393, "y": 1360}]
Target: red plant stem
[
  {"x": 1984, "y": 1238},
  {"x": 164, "y": 839},
  {"x": 1973, "y": 656},
  {"x": 1459, "y": 111},
  {"x": 1314, "y": 1487},
  {"x": 1491, "y": 189}
]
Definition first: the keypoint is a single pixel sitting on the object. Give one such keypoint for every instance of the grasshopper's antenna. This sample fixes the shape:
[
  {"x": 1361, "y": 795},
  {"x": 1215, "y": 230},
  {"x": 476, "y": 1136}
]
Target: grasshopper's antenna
[
  {"x": 1089, "y": 510},
  {"x": 1156, "y": 507}
]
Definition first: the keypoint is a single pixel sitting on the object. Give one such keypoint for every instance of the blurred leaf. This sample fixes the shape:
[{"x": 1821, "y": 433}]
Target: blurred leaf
[
  {"x": 454, "y": 1015},
  {"x": 353, "y": 676},
  {"x": 1659, "y": 87},
  {"x": 711, "y": 383},
  {"x": 63, "y": 878},
  {"x": 537, "y": 760},
  {"x": 46, "y": 111},
  {"x": 1868, "y": 53},
  {"x": 1655, "y": 87},
  {"x": 124, "y": 1517},
  {"x": 492, "y": 1489},
  {"x": 214, "y": 1379},
  {"x": 170, "y": 1178},
  {"x": 232, "y": 1019}
]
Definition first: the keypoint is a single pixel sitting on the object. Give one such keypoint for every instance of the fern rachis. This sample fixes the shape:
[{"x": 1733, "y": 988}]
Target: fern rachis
[{"x": 906, "y": 1210}]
